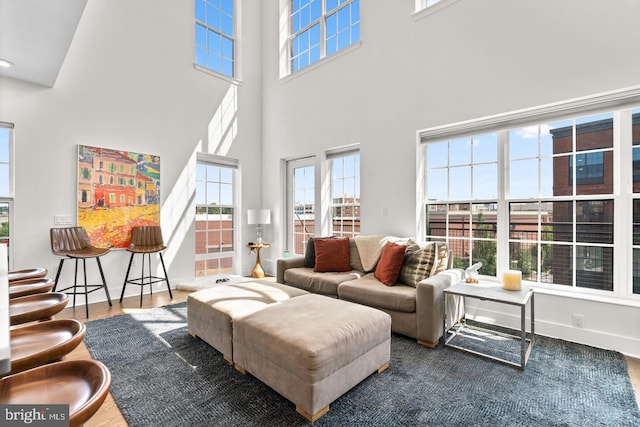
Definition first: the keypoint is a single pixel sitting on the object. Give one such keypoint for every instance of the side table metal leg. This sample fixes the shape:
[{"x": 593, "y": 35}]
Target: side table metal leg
[
  {"x": 523, "y": 335},
  {"x": 533, "y": 318}
]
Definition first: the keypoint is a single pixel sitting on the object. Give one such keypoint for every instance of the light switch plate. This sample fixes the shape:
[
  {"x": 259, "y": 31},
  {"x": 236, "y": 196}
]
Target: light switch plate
[{"x": 62, "y": 219}]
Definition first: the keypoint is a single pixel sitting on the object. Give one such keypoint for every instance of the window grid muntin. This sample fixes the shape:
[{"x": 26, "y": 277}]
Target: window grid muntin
[
  {"x": 310, "y": 51},
  {"x": 345, "y": 213},
  {"x": 470, "y": 242},
  {"x": 6, "y": 149},
  {"x": 576, "y": 247},
  {"x": 635, "y": 200},
  {"x": 6, "y": 187},
  {"x": 303, "y": 215},
  {"x": 216, "y": 51},
  {"x": 215, "y": 205}
]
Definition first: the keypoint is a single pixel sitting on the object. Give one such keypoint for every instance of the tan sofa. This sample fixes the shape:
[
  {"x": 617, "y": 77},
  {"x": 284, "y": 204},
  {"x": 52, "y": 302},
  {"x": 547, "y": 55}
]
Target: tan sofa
[{"x": 416, "y": 312}]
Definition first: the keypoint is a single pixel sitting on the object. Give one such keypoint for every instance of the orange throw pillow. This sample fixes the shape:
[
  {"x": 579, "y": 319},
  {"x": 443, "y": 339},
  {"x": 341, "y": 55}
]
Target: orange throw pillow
[
  {"x": 332, "y": 254},
  {"x": 390, "y": 263}
]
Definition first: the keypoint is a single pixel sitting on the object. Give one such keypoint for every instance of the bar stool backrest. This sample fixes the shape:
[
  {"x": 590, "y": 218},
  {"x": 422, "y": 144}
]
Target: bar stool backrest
[
  {"x": 69, "y": 239},
  {"x": 146, "y": 236}
]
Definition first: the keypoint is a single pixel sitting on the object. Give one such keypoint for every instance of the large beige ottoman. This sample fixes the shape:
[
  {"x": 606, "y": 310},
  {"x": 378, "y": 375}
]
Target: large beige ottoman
[
  {"x": 211, "y": 312},
  {"x": 312, "y": 349}
]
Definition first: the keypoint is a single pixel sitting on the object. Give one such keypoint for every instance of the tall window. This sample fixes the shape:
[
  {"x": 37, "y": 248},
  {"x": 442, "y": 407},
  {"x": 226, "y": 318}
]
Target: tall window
[
  {"x": 345, "y": 194},
  {"x": 540, "y": 199},
  {"x": 215, "y": 36},
  {"x": 635, "y": 138},
  {"x": 462, "y": 190},
  {"x": 215, "y": 218},
  {"x": 427, "y": 4},
  {"x": 301, "y": 204},
  {"x": 6, "y": 180},
  {"x": 320, "y": 28}
]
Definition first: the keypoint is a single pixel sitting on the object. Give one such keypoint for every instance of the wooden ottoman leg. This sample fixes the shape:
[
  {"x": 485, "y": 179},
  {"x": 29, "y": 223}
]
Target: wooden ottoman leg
[{"x": 314, "y": 417}]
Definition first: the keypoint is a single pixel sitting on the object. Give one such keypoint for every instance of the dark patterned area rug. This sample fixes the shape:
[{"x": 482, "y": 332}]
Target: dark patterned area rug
[{"x": 164, "y": 377}]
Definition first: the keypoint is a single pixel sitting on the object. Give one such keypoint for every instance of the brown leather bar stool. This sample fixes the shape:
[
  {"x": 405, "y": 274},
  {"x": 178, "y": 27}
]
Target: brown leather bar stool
[
  {"x": 21, "y": 288},
  {"x": 146, "y": 240},
  {"x": 81, "y": 384},
  {"x": 36, "y": 307},
  {"x": 46, "y": 342},
  {"x": 31, "y": 273},
  {"x": 74, "y": 243}
]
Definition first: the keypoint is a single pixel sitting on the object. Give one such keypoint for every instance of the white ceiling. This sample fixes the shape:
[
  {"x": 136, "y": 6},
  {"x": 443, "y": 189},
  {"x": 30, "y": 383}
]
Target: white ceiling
[{"x": 35, "y": 35}]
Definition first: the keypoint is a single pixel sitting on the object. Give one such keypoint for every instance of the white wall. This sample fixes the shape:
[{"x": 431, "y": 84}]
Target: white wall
[
  {"x": 469, "y": 60},
  {"x": 128, "y": 83}
]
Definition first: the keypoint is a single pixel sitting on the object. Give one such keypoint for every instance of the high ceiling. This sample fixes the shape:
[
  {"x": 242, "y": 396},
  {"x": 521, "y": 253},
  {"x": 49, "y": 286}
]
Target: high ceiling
[{"x": 35, "y": 35}]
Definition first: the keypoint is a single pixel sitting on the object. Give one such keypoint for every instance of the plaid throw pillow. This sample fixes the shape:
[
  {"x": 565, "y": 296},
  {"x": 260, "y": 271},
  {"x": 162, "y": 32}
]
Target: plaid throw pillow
[
  {"x": 417, "y": 264},
  {"x": 442, "y": 258}
]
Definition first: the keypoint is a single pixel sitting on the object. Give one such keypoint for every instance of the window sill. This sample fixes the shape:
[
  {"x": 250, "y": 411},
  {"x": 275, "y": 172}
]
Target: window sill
[
  {"x": 321, "y": 62},
  {"x": 210, "y": 72},
  {"x": 627, "y": 301},
  {"x": 430, "y": 10}
]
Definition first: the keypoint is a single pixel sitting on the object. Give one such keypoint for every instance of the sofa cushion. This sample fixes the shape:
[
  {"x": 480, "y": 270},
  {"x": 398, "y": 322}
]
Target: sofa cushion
[
  {"x": 418, "y": 263},
  {"x": 390, "y": 263},
  {"x": 319, "y": 283},
  {"x": 370, "y": 291},
  {"x": 332, "y": 254}
]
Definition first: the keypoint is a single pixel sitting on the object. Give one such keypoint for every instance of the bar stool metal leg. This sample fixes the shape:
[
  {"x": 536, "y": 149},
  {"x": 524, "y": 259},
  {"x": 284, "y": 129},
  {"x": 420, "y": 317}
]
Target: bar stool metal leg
[
  {"x": 126, "y": 277},
  {"x": 104, "y": 281},
  {"x": 166, "y": 276},
  {"x": 58, "y": 274},
  {"x": 86, "y": 290}
]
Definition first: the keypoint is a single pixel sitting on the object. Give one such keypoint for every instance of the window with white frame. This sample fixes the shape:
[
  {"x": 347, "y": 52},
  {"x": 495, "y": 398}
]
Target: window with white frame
[
  {"x": 321, "y": 28},
  {"x": 215, "y": 36},
  {"x": 462, "y": 191},
  {"x": 541, "y": 198},
  {"x": 426, "y": 7},
  {"x": 635, "y": 140},
  {"x": 215, "y": 217},
  {"x": 345, "y": 193},
  {"x": 301, "y": 218},
  {"x": 6, "y": 180}
]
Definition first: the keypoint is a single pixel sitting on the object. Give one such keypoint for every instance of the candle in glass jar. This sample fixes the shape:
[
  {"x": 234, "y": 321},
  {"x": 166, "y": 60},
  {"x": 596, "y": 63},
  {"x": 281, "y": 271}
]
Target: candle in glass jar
[{"x": 512, "y": 280}]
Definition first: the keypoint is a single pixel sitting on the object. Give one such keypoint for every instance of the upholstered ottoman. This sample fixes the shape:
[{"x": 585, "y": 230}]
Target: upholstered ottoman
[
  {"x": 211, "y": 312},
  {"x": 312, "y": 349}
]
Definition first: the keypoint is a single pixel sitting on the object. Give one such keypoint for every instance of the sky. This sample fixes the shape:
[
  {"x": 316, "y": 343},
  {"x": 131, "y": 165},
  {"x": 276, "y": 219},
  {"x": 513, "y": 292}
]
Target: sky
[{"x": 4, "y": 162}]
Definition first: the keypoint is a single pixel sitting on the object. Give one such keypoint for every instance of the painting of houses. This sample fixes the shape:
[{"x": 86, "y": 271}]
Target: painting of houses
[{"x": 117, "y": 190}]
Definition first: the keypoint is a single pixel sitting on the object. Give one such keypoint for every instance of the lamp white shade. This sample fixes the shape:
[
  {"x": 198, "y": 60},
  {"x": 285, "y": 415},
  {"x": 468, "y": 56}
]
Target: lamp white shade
[{"x": 258, "y": 216}]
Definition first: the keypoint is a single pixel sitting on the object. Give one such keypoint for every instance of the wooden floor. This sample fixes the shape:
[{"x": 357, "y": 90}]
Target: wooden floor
[{"x": 109, "y": 415}]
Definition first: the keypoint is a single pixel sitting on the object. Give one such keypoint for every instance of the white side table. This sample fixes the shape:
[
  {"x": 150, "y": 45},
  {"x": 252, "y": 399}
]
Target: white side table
[{"x": 488, "y": 291}]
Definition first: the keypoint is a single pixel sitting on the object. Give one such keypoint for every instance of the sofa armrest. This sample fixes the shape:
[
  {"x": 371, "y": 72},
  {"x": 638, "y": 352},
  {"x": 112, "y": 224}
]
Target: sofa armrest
[
  {"x": 283, "y": 264},
  {"x": 430, "y": 305}
]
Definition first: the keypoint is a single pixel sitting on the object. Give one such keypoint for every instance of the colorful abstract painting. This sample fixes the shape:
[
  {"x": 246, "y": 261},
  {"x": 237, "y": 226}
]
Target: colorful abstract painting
[{"x": 117, "y": 190}]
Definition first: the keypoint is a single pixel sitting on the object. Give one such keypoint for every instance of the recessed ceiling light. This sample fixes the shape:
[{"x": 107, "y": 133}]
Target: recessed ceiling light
[{"x": 5, "y": 64}]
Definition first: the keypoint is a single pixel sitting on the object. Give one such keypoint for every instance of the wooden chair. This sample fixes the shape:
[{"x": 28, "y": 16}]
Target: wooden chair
[
  {"x": 146, "y": 240},
  {"x": 74, "y": 243}
]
